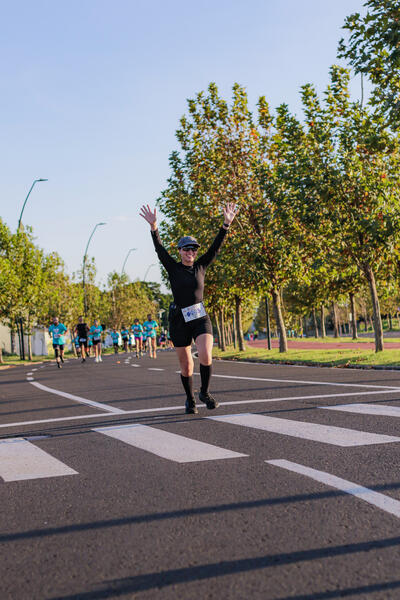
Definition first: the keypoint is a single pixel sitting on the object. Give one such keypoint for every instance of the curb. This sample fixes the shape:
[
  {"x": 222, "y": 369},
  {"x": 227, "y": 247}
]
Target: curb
[{"x": 311, "y": 364}]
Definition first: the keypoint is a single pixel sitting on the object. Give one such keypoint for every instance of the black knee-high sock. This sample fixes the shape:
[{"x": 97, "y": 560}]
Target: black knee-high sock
[
  {"x": 205, "y": 374},
  {"x": 187, "y": 383}
]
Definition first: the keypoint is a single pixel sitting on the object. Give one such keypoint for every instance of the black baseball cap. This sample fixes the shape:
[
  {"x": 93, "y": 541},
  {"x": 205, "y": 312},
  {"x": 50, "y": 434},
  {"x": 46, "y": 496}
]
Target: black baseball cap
[{"x": 188, "y": 240}]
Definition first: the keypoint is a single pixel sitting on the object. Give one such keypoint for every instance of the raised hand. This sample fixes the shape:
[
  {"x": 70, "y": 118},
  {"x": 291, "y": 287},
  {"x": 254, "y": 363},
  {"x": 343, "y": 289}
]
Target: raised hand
[
  {"x": 149, "y": 215},
  {"x": 230, "y": 211}
]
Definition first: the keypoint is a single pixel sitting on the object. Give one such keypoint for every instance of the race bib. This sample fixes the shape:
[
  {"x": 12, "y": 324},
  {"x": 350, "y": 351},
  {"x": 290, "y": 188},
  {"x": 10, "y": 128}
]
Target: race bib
[
  {"x": 82, "y": 339},
  {"x": 193, "y": 312}
]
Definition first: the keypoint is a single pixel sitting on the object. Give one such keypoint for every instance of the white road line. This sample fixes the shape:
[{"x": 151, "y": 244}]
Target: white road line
[
  {"x": 99, "y": 405},
  {"x": 135, "y": 365},
  {"x": 154, "y": 369},
  {"x": 30, "y": 373},
  {"x": 30, "y": 379},
  {"x": 308, "y": 397},
  {"x": 34, "y": 369},
  {"x": 19, "y": 459},
  {"x": 167, "y": 445},
  {"x": 327, "y": 434},
  {"x": 381, "y": 501},
  {"x": 180, "y": 407},
  {"x": 366, "y": 409},
  {"x": 357, "y": 385}
]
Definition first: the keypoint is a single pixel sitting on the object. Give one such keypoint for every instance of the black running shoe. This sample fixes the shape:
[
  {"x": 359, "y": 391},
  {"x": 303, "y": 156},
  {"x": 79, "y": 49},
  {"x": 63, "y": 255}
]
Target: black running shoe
[
  {"x": 208, "y": 400},
  {"x": 83, "y": 360},
  {"x": 58, "y": 364},
  {"x": 62, "y": 360},
  {"x": 190, "y": 407}
]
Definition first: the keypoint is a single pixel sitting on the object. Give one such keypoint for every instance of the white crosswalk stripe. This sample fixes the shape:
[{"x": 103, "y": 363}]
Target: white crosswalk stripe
[
  {"x": 327, "y": 434},
  {"x": 20, "y": 459},
  {"x": 167, "y": 445},
  {"x": 378, "y": 410}
]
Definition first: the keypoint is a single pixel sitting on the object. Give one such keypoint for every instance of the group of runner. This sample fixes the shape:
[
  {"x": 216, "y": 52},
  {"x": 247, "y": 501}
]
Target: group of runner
[
  {"x": 87, "y": 338},
  {"x": 145, "y": 335}
]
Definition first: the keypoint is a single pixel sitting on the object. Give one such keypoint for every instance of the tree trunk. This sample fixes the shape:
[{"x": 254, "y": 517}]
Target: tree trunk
[
  {"x": 314, "y": 314},
  {"x": 390, "y": 322},
  {"x": 234, "y": 331},
  {"x": 353, "y": 316},
  {"x": 1, "y": 355},
  {"x": 378, "y": 330},
  {"x": 365, "y": 320},
  {"x": 335, "y": 320},
  {"x": 279, "y": 320},
  {"x": 398, "y": 320},
  {"x": 323, "y": 330},
  {"x": 305, "y": 326},
  {"x": 13, "y": 344},
  {"x": 239, "y": 327},
  {"x": 222, "y": 329},
  {"x": 218, "y": 329}
]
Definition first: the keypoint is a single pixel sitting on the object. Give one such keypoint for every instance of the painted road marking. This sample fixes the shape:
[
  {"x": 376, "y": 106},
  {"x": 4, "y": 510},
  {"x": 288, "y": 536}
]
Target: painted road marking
[
  {"x": 19, "y": 459},
  {"x": 366, "y": 409},
  {"x": 154, "y": 369},
  {"x": 135, "y": 365},
  {"x": 381, "y": 501},
  {"x": 99, "y": 405},
  {"x": 30, "y": 379},
  {"x": 30, "y": 373},
  {"x": 327, "y": 434},
  {"x": 167, "y": 445},
  {"x": 180, "y": 407},
  {"x": 357, "y": 385}
]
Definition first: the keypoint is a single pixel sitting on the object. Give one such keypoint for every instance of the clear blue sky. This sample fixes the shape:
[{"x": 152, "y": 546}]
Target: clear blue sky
[{"x": 91, "y": 93}]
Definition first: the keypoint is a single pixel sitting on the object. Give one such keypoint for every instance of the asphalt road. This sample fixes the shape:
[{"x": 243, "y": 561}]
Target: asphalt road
[{"x": 111, "y": 491}]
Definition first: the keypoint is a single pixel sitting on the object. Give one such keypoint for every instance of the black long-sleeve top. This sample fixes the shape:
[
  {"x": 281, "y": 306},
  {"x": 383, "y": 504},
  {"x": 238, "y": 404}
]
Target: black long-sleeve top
[{"x": 187, "y": 283}]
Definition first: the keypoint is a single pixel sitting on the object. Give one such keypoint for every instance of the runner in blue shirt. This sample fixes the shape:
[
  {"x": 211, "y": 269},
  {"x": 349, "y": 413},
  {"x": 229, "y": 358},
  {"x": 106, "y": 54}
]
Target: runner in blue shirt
[
  {"x": 96, "y": 330},
  {"x": 130, "y": 342},
  {"x": 57, "y": 331},
  {"x": 125, "y": 337},
  {"x": 137, "y": 331},
  {"x": 150, "y": 327},
  {"x": 115, "y": 338}
]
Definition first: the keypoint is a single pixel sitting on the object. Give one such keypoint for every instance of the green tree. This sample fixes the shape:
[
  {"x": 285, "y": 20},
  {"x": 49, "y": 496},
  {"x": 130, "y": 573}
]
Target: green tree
[{"x": 373, "y": 49}]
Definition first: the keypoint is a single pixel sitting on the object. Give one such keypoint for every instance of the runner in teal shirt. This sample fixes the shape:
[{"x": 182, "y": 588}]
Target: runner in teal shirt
[
  {"x": 150, "y": 327},
  {"x": 96, "y": 330},
  {"x": 125, "y": 337},
  {"x": 137, "y": 331},
  {"x": 115, "y": 338},
  {"x": 57, "y": 331}
]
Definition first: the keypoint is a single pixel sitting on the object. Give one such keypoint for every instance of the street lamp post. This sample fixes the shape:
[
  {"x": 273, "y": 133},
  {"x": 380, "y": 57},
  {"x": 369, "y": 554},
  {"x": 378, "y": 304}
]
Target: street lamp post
[
  {"x": 148, "y": 269},
  {"x": 84, "y": 265},
  {"x": 26, "y": 199},
  {"x": 126, "y": 258}
]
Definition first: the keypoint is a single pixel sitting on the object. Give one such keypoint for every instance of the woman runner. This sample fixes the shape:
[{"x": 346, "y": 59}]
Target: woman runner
[{"x": 187, "y": 317}]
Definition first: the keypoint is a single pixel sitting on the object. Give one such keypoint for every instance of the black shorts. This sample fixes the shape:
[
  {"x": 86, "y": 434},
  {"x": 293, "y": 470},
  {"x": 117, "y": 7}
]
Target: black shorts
[
  {"x": 115, "y": 344},
  {"x": 182, "y": 333},
  {"x": 95, "y": 342},
  {"x": 83, "y": 341},
  {"x": 58, "y": 346}
]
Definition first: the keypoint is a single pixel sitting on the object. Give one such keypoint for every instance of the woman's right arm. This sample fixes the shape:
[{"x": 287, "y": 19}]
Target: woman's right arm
[{"x": 151, "y": 217}]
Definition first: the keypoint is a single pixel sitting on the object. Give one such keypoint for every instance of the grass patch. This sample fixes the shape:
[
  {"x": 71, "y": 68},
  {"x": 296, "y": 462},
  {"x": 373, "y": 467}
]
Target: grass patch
[{"x": 330, "y": 357}]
